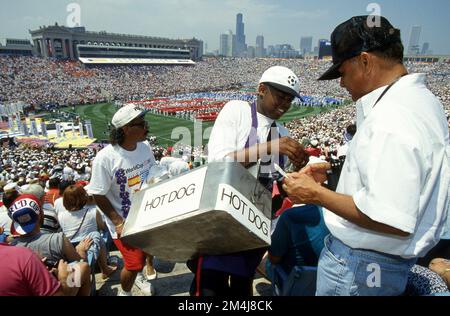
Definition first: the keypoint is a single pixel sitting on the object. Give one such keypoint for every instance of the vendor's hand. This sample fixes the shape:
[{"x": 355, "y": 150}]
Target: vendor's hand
[
  {"x": 291, "y": 148},
  {"x": 317, "y": 170},
  {"x": 302, "y": 188}
]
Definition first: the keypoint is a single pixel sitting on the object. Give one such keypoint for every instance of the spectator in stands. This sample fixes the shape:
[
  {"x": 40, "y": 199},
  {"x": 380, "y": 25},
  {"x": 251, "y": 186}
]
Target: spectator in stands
[
  {"x": 119, "y": 170},
  {"x": 442, "y": 267},
  {"x": 326, "y": 151},
  {"x": 24, "y": 274},
  {"x": 392, "y": 197},
  {"x": 349, "y": 133},
  {"x": 314, "y": 149},
  {"x": 79, "y": 220},
  {"x": 50, "y": 224},
  {"x": 297, "y": 239},
  {"x": 423, "y": 281},
  {"x": 53, "y": 191},
  {"x": 3, "y": 236},
  {"x": 9, "y": 195},
  {"x": 246, "y": 132},
  {"x": 62, "y": 187},
  {"x": 51, "y": 195},
  {"x": 11, "y": 191},
  {"x": 27, "y": 217}
]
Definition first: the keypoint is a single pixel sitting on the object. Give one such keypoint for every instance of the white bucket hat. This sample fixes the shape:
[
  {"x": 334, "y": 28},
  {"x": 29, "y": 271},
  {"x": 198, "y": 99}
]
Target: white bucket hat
[{"x": 126, "y": 114}]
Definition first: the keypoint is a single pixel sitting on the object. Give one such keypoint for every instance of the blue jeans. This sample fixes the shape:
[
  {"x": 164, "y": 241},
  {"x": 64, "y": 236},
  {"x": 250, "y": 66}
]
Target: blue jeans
[{"x": 344, "y": 271}]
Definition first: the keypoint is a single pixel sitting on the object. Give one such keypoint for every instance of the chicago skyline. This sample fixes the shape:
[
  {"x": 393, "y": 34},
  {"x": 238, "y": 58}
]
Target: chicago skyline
[{"x": 280, "y": 21}]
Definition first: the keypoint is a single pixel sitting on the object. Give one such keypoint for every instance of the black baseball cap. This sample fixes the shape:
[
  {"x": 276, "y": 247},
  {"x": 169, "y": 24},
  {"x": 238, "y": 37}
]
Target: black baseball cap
[{"x": 356, "y": 35}]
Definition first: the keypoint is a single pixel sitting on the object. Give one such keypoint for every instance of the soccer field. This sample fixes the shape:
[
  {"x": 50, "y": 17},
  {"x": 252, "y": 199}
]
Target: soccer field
[{"x": 168, "y": 130}]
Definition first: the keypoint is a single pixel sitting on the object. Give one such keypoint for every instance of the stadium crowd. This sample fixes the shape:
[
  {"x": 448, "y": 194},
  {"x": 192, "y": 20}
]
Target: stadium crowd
[{"x": 39, "y": 81}]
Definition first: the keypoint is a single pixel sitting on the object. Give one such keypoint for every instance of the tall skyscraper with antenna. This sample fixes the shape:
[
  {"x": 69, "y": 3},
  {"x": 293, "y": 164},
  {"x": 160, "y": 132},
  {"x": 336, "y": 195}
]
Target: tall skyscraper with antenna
[{"x": 241, "y": 47}]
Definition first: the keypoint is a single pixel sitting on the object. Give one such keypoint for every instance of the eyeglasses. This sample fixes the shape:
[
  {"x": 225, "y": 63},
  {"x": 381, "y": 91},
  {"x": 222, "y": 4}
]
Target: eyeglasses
[{"x": 140, "y": 124}]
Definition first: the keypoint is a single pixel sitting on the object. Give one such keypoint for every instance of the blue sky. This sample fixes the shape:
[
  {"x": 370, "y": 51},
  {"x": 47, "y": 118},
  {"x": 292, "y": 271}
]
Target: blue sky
[{"x": 280, "y": 21}]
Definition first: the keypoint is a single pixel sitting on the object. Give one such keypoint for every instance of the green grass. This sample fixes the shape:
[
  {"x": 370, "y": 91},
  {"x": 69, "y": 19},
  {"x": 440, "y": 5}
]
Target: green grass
[{"x": 169, "y": 130}]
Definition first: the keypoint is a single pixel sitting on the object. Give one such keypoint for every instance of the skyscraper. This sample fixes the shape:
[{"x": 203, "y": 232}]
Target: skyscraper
[
  {"x": 306, "y": 45},
  {"x": 260, "y": 51},
  {"x": 241, "y": 47},
  {"x": 223, "y": 44},
  {"x": 425, "y": 48},
  {"x": 414, "y": 38}
]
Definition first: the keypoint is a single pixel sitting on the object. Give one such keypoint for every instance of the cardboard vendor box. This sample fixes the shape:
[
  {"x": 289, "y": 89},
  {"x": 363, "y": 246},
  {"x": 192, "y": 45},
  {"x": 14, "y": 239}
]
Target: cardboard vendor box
[{"x": 219, "y": 208}]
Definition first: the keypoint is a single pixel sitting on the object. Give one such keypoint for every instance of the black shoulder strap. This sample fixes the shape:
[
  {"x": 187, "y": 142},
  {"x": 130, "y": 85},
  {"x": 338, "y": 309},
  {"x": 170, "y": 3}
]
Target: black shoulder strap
[
  {"x": 81, "y": 224},
  {"x": 385, "y": 91}
]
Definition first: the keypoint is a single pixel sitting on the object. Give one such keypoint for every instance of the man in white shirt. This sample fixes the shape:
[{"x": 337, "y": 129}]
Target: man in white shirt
[
  {"x": 118, "y": 171},
  {"x": 392, "y": 198}
]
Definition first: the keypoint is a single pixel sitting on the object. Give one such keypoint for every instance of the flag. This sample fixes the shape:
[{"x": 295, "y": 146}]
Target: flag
[
  {"x": 89, "y": 129},
  {"x": 58, "y": 130},
  {"x": 25, "y": 130},
  {"x": 34, "y": 130},
  {"x": 80, "y": 127},
  {"x": 43, "y": 128}
]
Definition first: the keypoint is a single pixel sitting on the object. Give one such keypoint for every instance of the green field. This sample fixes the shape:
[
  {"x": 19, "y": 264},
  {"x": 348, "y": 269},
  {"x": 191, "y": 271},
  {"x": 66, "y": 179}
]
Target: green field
[{"x": 164, "y": 127}]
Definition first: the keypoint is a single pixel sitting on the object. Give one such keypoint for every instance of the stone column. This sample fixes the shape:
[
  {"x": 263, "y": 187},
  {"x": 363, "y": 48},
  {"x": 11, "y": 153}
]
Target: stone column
[
  {"x": 64, "y": 48},
  {"x": 71, "y": 49},
  {"x": 51, "y": 45},
  {"x": 44, "y": 48}
]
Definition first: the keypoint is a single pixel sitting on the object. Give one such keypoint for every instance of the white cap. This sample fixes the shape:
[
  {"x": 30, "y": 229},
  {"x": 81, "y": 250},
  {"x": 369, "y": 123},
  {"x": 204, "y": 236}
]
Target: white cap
[
  {"x": 12, "y": 186},
  {"x": 34, "y": 189},
  {"x": 126, "y": 114},
  {"x": 283, "y": 79}
]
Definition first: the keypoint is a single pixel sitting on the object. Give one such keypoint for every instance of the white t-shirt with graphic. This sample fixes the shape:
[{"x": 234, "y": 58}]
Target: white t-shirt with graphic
[{"x": 118, "y": 173}]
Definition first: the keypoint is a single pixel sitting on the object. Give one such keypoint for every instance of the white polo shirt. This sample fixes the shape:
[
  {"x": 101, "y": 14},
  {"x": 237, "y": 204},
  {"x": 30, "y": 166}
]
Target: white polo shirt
[
  {"x": 397, "y": 170},
  {"x": 232, "y": 128}
]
